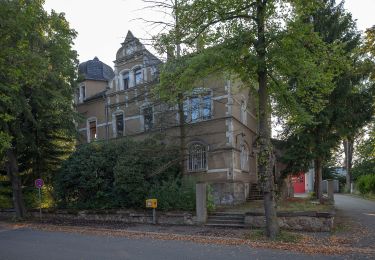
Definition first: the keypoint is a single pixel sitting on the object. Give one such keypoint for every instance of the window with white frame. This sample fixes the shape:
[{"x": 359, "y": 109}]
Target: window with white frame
[
  {"x": 148, "y": 117},
  {"x": 92, "y": 133},
  {"x": 244, "y": 157},
  {"x": 197, "y": 157},
  {"x": 198, "y": 107},
  {"x": 82, "y": 93},
  {"x": 119, "y": 125},
  {"x": 125, "y": 80},
  {"x": 138, "y": 77}
]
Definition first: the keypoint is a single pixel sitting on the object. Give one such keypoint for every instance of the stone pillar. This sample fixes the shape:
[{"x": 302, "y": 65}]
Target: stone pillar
[
  {"x": 330, "y": 190},
  {"x": 201, "y": 202}
]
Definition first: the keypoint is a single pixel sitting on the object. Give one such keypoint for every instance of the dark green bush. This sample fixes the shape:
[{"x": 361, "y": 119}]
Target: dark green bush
[
  {"x": 120, "y": 173},
  {"x": 174, "y": 194},
  {"x": 366, "y": 184}
]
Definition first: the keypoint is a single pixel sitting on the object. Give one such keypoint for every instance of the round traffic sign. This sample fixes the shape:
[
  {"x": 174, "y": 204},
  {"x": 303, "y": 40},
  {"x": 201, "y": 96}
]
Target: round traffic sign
[{"x": 39, "y": 183}]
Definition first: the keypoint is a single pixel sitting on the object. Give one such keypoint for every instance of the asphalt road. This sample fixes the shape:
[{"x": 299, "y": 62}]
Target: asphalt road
[
  {"x": 30, "y": 244},
  {"x": 361, "y": 212}
]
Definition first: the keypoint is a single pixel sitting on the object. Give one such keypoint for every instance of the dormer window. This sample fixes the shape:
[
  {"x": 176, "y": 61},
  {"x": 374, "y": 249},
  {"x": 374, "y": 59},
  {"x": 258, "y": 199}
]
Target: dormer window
[{"x": 138, "y": 76}]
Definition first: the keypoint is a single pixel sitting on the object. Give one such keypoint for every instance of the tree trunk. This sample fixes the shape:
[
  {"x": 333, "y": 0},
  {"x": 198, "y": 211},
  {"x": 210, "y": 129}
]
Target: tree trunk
[
  {"x": 182, "y": 133},
  {"x": 13, "y": 174},
  {"x": 318, "y": 179},
  {"x": 265, "y": 154},
  {"x": 180, "y": 97},
  {"x": 348, "y": 149}
]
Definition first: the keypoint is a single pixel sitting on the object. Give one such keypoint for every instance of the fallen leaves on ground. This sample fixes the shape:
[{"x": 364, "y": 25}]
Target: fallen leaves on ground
[{"x": 307, "y": 245}]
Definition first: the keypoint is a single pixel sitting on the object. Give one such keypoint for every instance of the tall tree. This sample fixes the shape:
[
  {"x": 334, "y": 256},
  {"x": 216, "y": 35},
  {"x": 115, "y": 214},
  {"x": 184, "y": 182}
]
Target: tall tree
[
  {"x": 262, "y": 43},
  {"x": 37, "y": 77},
  {"x": 349, "y": 105}
]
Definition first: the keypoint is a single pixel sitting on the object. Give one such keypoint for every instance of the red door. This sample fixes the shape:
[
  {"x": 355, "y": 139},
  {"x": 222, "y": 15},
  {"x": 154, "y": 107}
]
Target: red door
[{"x": 299, "y": 183}]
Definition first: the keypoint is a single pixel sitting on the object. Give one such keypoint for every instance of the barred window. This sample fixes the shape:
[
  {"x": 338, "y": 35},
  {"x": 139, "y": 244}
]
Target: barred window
[{"x": 197, "y": 157}]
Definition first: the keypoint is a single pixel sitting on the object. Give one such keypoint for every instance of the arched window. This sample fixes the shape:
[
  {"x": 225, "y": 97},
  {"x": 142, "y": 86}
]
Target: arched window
[
  {"x": 197, "y": 157},
  {"x": 244, "y": 157}
]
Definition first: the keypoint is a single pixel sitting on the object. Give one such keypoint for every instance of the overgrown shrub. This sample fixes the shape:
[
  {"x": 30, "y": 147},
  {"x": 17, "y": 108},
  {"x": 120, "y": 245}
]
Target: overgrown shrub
[
  {"x": 174, "y": 194},
  {"x": 366, "y": 184},
  {"x": 120, "y": 173}
]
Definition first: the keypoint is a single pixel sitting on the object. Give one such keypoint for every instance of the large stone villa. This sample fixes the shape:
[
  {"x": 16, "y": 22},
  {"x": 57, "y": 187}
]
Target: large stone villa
[{"x": 220, "y": 118}]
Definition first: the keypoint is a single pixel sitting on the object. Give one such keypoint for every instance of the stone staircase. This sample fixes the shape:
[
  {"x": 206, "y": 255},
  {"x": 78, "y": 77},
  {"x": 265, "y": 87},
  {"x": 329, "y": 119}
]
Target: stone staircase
[
  {"x": 226, "y": 219},
  {"x": 255, "y": 193}
]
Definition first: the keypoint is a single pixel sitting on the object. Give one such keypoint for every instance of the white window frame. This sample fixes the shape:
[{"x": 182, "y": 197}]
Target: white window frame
[
  {"x": 82, "y": 93},
  {"x": 122, "y": 85},
  {"x": 88, "y": 132},
  {"x": 114, "y": 122},
  {"x": 134, "y": 70},
  {"x": 197, "y": 160},
  {"x": 199, "y": 94}
]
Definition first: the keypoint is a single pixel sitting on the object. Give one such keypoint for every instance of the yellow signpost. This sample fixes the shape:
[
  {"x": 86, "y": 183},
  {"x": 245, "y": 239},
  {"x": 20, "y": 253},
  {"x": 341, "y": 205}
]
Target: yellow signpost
[{"x": 152, "y": 203}]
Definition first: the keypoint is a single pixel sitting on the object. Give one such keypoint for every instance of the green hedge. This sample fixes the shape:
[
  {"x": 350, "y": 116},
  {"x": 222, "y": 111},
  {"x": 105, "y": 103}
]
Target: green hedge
[
  {"x": 122, "y": 173},
  {"x": 366, "y": 184}
]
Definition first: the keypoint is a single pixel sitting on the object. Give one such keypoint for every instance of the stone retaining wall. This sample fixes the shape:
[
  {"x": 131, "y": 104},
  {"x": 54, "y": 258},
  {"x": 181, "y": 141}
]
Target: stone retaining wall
[
  {"x": 302, "y": 221},
  {"x": 126, "y": 216}
]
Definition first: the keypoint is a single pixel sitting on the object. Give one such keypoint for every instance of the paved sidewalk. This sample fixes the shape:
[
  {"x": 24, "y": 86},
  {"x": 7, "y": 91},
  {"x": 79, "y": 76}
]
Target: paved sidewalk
[{"x": 361, "y": 213}]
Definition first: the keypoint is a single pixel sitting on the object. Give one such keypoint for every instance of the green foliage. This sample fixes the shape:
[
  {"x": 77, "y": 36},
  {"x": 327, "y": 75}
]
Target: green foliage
[
  {"x": 5, "y": 194},
  {"x": 31, "y": 196},
  {"x": 174, "y": 195},
  {"x": 123, "y": 173},
  {"x": 365, "y": 154},
  {"x": 210, "y": 199},
  {"x": 366, "y": 184},
  {"x": 350, "y": 103},
  {"x": 38, "y": 71}
]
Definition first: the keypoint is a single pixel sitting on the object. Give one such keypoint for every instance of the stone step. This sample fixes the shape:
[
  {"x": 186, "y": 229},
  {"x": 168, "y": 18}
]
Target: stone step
[
  {"x": 225, "y": 225},
  {"x": 226, "y": 217},
  {"x": 237, "y": 219},
  {"x": 232, "y": 214},
  {"x": 254, "y": 198}
]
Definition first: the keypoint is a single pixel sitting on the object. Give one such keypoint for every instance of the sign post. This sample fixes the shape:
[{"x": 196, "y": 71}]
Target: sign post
[
  {"x": 152, "y": 203},
  {"x": 39, "y": 184}
]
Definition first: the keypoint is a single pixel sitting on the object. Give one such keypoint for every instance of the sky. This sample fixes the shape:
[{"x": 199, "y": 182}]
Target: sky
[{"x": 102, "y": 25}]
